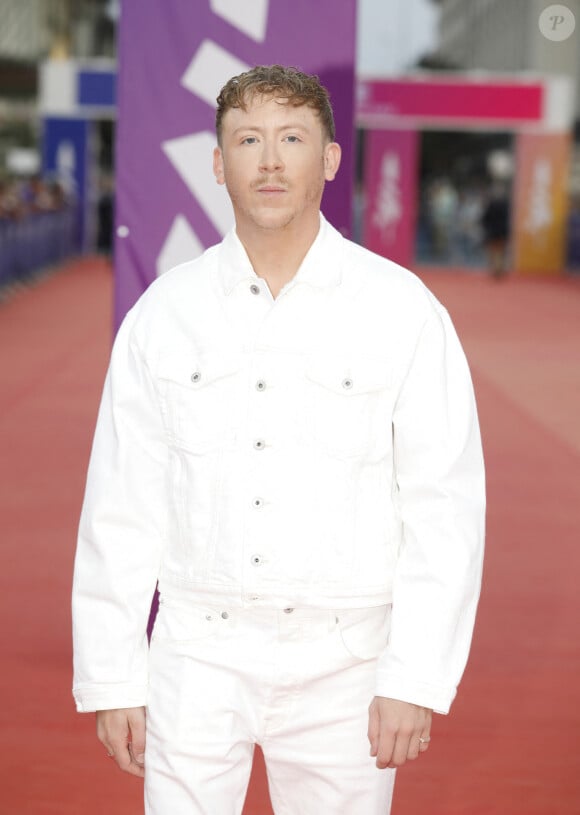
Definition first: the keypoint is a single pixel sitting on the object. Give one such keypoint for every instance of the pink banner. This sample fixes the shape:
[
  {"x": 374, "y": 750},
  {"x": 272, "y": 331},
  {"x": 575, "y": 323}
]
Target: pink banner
[
  {"x": 462, "y": 99},
  {"x": 391, "y": 185}
]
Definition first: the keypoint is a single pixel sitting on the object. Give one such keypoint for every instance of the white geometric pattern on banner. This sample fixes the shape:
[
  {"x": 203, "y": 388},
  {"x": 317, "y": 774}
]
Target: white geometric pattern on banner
[
  {"x": 192, "y": 158},
  {"x": 209, "y": 70},
  {"x": 191, "y": 155},
  {"x": 181, "y": 244},
  {"x": 250, "y": 18}
]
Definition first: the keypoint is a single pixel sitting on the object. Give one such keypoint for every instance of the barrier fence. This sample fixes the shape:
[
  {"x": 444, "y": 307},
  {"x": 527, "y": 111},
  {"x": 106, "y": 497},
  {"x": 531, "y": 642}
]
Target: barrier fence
[{"x": 37, "y": 241}]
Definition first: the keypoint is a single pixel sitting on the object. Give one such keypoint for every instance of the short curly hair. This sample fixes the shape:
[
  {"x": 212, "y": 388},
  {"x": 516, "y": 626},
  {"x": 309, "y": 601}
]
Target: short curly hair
[{"x": 296, "y": 87}]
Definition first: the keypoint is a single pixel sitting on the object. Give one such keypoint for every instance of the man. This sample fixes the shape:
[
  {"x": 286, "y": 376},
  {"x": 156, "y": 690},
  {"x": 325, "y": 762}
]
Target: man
[
  {"x": 495, "y": 222},
  {"x": 288, "y": 444}
]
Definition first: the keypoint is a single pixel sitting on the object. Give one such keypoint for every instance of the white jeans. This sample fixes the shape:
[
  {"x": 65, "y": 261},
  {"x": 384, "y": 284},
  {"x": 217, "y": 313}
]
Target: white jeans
[{"x": 296, "y": 682}]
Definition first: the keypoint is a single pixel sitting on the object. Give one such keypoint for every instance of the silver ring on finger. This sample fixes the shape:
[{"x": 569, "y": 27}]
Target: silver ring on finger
[{"x": 424, "y": 739}]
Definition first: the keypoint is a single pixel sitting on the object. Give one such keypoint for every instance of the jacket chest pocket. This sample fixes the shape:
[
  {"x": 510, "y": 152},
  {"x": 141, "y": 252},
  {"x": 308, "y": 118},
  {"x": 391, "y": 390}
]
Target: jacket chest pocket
[
  {"x": 347, "y": 406},
  {"x": 201, "y": 399}
]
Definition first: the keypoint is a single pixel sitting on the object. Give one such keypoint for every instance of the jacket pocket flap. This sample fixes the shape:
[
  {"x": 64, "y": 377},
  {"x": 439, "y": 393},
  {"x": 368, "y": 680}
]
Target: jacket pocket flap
[
  {"x": 197, "y": 371},
  {"x": 348, "y": 377}
]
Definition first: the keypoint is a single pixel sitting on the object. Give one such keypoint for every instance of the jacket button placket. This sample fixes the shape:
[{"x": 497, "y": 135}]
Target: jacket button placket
[{"x": 256, "y": 559}]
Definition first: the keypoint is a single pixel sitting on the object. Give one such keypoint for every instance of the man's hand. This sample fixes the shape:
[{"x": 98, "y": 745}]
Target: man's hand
[
  {"x": 395, "y": 730},
  {"x": 123, "y": 734}
]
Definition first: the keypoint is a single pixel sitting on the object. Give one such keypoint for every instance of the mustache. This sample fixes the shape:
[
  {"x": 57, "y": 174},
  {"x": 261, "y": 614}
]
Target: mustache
[{"x": 277, "y": 181}]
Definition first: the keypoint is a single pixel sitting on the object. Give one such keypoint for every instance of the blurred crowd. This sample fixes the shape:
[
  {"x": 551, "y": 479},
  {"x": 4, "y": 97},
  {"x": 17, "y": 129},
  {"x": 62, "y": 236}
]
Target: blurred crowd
[
  {"x": 470, "y": 225},
  {"x": 442, "y": 202},
  {"x": 21, "y": 197},
  {"x": 38, "y": 228},
  {"x": 457, "y": 222}
]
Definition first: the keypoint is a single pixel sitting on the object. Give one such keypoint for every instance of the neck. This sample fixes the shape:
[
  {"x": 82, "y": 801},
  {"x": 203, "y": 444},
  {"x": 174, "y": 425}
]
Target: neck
[{"x": 276, "y": 254}]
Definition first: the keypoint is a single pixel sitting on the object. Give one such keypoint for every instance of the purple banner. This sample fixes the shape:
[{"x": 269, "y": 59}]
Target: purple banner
[
  {"x": 174, "y": 57},
  {"x": 391, "y": 184}
]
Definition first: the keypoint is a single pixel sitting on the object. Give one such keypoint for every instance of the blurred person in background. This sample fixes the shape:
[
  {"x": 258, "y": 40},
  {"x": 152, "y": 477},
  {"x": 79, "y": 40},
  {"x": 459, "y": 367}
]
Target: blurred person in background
[
  {"x": 573, "y": 236},
  {"x": 495, "y": 223},
  {"x": 288, "y": 444},
  {"x": 12, "y": 205},
  {"x": 105, "y": 215},
  {"x": 468, "y": 226},
  {"x": 443, "y": 202}
]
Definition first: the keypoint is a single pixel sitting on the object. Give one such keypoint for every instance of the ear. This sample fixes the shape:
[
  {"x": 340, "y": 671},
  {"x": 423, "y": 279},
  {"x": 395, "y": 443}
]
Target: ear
[
  {"x": 218, "y": 166},
  {"x": 332, "y": 154}
]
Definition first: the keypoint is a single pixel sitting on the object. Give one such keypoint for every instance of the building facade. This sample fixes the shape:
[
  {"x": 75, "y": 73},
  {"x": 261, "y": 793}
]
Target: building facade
[
  {"x": 504, "y": 36},
  {"x": 32, "y": 31}
]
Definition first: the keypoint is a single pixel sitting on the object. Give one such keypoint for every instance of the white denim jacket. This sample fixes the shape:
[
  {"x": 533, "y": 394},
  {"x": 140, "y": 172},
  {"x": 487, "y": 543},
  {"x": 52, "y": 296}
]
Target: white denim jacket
[{"x": 320, "y": 449}]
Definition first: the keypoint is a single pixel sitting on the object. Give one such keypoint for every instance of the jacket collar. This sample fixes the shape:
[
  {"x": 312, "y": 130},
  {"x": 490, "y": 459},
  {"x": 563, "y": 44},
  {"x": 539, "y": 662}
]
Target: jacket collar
[{"x": 319, "y": 269}]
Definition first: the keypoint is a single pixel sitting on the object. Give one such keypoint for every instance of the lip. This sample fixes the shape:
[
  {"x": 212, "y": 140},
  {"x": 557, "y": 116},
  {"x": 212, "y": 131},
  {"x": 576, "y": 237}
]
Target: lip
[{"x": 271, "y": 188}]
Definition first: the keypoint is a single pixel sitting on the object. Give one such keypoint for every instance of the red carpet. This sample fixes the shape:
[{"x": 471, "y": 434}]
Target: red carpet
[{"x": 511, "y": 745}]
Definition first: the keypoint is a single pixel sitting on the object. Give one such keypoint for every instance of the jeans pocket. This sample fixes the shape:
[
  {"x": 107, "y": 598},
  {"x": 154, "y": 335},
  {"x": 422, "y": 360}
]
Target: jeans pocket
[
  {"x": 182, "y": 624},
  {"x": 364, "y": 632}
]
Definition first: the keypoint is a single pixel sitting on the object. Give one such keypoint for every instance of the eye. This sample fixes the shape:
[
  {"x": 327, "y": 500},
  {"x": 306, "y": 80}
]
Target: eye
[
  {"x": 249, "y": 140},
  {"x": 292, "y": 139}
]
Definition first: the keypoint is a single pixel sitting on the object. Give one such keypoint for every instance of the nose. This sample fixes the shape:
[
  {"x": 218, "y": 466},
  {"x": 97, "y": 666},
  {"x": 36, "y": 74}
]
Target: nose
[{"x": 270, "y": 158}]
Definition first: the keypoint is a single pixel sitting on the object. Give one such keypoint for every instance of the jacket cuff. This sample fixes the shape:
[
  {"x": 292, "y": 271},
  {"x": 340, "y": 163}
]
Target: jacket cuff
[
  {"x": 435, "y": 697},
  {"x": 90, "y": 698}
]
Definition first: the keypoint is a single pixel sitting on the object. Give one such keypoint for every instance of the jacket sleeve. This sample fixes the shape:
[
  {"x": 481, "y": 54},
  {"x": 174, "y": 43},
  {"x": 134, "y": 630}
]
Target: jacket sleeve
[
  {"x": 121, "y": 535},
  {"x": 441, "y": 494}
]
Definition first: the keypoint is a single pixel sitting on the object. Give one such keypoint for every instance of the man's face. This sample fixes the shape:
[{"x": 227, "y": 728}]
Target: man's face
[{"x": 274, "y": 160}]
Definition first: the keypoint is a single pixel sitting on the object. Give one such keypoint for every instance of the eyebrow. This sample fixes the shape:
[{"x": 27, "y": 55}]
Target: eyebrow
[{"x": 257, "y": 129}]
